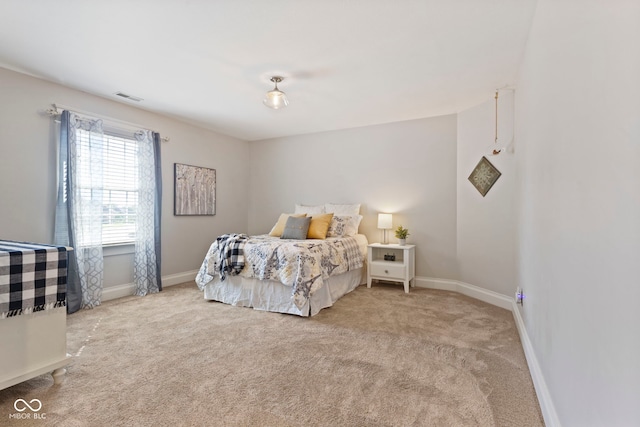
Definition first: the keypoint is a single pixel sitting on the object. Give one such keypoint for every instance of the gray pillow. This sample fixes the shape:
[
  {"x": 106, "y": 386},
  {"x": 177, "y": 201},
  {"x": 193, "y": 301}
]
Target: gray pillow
[{"x": 296, "y": 228}]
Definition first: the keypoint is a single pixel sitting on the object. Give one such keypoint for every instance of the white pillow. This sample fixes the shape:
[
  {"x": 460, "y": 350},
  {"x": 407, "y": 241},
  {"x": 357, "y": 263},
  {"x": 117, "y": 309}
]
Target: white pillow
[
  {"x": 309, "y": 210},
  {"x": 353, "y": 209},
  {"x": 344, "y": 225}
]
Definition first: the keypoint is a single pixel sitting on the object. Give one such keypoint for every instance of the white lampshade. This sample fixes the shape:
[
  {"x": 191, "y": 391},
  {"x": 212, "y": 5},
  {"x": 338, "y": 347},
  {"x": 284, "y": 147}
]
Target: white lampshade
[
  {"x": 385, "y": 221},
  {"x": 276, "y": 98}
]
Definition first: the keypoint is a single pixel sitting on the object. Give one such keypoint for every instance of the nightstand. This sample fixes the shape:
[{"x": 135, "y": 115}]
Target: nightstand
[{"x": 399, "y": 265}]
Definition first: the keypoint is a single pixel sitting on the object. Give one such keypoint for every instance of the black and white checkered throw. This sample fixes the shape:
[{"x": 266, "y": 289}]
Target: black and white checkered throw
[
  {"x": 231, "y": 254},
  {"x": 33, "y": 277}
]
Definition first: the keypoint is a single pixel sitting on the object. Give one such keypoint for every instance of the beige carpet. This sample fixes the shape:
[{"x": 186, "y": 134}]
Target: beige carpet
[{"x": 378, "y": 357}]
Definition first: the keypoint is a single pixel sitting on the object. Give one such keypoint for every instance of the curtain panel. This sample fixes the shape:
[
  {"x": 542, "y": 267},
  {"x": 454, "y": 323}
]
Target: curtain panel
[
  {"x": 146, "y": 270},
  {"x": 79, "y": 208}
]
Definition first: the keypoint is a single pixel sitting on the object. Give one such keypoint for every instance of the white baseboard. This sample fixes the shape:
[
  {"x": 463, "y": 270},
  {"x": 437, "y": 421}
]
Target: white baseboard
[
  {"x": 119, "y": 291},
  {"x": 491, "y": 297},
  {"x": 494, "y": 298},
  {"x": 546, "y": 404},
  {"x": 176, "y": 279}
]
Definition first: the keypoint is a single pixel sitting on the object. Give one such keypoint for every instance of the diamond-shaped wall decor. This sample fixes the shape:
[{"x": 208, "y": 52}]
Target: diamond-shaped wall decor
[{"x": 484, "y": 176}]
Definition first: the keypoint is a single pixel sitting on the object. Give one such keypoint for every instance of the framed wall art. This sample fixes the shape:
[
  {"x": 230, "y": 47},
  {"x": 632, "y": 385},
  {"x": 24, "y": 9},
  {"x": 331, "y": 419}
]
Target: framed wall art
[
  {"x": 194, "y": 190},
  {"x": 484, "y": 176}
]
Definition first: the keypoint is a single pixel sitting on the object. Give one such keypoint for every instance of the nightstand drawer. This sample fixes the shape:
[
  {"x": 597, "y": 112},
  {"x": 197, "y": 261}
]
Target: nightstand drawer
[{"x": 388, "y": 270}]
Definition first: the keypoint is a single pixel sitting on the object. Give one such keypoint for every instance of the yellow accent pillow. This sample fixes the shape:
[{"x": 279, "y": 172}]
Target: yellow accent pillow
[
  {"x": 319, "y": 226},
  {"x": 277, "y": 229}
]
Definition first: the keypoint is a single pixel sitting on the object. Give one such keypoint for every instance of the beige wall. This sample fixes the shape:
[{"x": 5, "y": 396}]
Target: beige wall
[
  {"x": 486, "y": 226},
  {"x": 406, "y": 168},
  {"x": 578, "y": 142},
  {"x": 28, "y": 172}
]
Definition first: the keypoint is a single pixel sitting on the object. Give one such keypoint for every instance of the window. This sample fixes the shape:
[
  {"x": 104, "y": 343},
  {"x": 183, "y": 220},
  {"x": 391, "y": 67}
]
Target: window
[
  {"x": 119, "y": 184},
  {"x": 109, "y": 194}
]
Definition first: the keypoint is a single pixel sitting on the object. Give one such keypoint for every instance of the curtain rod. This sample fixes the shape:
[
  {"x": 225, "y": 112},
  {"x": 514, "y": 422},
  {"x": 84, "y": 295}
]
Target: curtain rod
[{"x": 53, "y": 111}]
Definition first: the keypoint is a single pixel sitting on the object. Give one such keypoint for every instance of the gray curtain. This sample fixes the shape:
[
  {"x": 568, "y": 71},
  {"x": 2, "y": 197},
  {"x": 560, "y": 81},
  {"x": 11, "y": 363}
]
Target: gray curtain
[
  {"x": 146, "y": 270},
  {"x": 63, "y": 236},
  {"x": 78, "y": 221},
  {"x": 158, "y": 205}
]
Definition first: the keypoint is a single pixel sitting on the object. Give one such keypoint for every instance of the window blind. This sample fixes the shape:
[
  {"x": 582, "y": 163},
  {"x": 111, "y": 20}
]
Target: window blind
[{"x": 119, "y": 184}]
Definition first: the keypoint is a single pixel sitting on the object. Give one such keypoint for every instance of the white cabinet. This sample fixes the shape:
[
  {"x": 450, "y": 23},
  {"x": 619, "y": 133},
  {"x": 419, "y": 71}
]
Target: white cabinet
[
  {"x": 34, "y": 331},
  {"x": 392, "y": 263},
  {"x": 33, "y": 344}
]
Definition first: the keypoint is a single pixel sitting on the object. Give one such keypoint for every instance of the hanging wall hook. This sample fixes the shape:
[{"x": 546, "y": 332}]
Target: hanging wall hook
[{"x": 496, "y": 151}]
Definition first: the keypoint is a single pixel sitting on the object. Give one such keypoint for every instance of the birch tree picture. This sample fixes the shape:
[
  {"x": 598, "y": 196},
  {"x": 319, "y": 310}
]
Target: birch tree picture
[{"x": 195, "y": 190}]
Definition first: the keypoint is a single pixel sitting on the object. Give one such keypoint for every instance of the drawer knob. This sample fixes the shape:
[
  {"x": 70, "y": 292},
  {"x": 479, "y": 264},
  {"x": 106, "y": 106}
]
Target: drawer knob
[{"x": 386, "y": 271}]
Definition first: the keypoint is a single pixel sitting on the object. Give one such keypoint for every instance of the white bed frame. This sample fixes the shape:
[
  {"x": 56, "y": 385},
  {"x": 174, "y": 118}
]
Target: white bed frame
[{"x": 32, "y": 345}]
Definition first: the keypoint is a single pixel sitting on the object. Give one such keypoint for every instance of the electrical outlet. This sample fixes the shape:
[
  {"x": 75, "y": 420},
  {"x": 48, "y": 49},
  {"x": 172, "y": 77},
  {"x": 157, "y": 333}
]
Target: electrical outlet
[{"x": 519, "y": 296}]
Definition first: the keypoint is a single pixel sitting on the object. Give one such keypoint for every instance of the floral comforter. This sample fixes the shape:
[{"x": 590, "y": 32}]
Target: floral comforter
[{"x": 302, "y": 264}]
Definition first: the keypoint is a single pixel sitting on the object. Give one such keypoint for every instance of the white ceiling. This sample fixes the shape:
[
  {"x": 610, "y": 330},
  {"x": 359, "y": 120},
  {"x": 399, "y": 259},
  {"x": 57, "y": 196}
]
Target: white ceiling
[{"x": 346, "y": 63}]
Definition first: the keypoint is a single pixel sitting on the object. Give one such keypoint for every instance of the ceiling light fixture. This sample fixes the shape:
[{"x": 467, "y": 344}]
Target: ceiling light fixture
[{"x": 276, "y": 98}]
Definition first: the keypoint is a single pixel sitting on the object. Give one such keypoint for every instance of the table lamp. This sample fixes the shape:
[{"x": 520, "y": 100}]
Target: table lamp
[{"x": 385, "y": 221}]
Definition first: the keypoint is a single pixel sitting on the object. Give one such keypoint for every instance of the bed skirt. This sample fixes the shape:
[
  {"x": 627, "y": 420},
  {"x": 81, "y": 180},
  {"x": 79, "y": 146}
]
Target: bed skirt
[{"x": 270, "y": 295}]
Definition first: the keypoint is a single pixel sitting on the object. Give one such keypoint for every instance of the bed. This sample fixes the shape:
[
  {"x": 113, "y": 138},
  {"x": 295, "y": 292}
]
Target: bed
[{"x": 273, "y": 272}]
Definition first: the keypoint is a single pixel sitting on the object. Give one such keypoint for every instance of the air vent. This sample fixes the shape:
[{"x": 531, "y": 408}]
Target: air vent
[{"x": 129, "y": 97}]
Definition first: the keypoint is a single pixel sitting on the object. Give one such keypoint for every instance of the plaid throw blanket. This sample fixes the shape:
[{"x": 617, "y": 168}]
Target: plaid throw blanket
[
  {"x": 33, "y": 277},
  {"x": 230, "y": 254}
]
